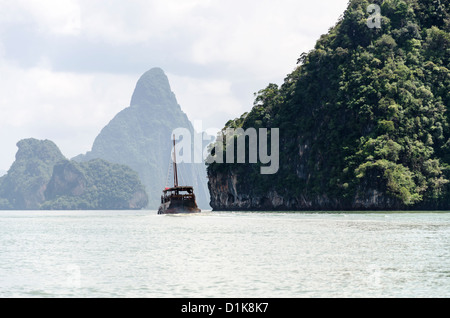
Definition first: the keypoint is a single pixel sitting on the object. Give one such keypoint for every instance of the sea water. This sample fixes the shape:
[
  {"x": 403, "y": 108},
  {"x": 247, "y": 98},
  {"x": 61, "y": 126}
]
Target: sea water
[{"x": 223, "y": 254}]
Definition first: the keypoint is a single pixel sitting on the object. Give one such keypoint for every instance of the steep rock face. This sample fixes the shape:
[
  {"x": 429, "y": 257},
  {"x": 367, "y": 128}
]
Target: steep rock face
[
  {"x": 96, "y": 184},
  {"x": 67, "y": 179},
  {"x": 26, "y": 181},
  {"x": 363, "y": 119},
  {"x": 140, "y": 136},
  {"x": 228, "y": 195}
]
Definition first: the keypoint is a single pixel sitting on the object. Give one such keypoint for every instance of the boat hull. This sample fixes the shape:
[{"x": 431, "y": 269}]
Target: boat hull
[{"x": 178, "y": 207}]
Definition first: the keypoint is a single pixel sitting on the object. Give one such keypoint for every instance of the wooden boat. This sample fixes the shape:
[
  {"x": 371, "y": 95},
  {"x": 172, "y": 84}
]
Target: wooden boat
[{"x": 178, "y": 199}]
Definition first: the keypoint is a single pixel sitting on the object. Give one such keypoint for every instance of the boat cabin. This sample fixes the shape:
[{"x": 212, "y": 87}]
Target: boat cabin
[{"x": 178, "y": 193}]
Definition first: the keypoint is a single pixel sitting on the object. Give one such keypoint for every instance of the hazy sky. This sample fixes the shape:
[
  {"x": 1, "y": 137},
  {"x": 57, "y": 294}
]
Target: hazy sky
[{"x": 67, "y": 67}]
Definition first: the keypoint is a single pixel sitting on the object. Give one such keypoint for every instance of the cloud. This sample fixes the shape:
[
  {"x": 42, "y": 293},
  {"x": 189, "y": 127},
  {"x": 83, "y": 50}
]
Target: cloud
[
  {"x": 138, "y": 21},
  {"x": 68, "y": 66},
  {"x": 208, "y": 100},
  {"x": 68, "y": 108},
  {"x": 261, "y": 37},
  {"x": 58, "y": 17},
  {"x": 254, "y": 35}
]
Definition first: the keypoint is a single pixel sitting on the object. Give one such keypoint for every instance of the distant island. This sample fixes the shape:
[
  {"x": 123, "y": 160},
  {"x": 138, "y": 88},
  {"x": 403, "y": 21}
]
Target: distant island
[
  {"x": 363, "y": 119},
  {"x": 126, "y": 168},
  {"x": 140, "y": 136},
  {"x": 42, "y": 178}
]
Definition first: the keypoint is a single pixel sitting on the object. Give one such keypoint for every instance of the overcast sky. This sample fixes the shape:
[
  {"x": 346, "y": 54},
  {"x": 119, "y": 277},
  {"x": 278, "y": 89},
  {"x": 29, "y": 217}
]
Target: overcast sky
[{"x": 67, "y": 67}]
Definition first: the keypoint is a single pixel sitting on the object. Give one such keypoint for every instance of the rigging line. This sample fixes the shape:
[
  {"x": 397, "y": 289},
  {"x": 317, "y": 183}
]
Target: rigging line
[
  {"x": 174, "y": 159},
  {"x": 168, "y": 174}
]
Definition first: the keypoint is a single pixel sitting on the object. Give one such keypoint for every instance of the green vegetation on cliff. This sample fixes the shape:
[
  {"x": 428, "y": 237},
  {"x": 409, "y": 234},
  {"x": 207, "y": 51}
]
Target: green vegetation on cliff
[
  {"x": 93, "y": 185},
  {"x": 24, "y": 185},
  {"x": 42, "y": 178},
  {"x": 365, "y": 111}
]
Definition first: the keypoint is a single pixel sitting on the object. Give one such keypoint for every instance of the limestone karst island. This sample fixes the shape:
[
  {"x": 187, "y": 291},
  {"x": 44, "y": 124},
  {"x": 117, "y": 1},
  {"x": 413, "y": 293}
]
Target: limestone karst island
[{"x": 363, "y": 121}]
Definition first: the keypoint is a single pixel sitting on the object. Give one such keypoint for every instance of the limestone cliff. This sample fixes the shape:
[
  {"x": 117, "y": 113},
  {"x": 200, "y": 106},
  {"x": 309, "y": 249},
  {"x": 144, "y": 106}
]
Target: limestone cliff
[
  {"x": 363, "y": 119},
  {"x": 42, "y": 178},
  {"x": 96, "y": 184},
  {"x": 227, "y": 194},
  {"x": 140, "y": 136},
  {"x": 23, "y": 187}
]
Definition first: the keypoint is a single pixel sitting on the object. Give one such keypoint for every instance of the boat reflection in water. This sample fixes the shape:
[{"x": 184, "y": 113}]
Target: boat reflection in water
[{"x": 178, "y": 199}]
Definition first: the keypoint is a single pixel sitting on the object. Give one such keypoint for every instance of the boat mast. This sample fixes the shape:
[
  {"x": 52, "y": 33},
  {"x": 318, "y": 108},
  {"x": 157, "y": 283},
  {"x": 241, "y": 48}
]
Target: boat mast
[{"x": 175, "y": 173}]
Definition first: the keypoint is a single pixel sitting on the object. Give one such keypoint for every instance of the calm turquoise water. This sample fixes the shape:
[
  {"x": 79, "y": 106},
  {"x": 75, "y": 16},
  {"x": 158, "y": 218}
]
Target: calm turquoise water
[{"x": 142, "y": 254}]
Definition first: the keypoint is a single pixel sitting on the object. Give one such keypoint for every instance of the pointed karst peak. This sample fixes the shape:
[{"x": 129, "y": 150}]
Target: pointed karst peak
[{"x": 153, "y": 88}]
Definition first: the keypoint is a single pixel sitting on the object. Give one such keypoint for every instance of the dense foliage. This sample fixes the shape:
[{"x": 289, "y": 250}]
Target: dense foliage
[
  {"x": 93, "y": 185},
  {"x": 41, "y": 177},
  {"x": 366, "y": 108},
  {"x": 23, "y": 187}
]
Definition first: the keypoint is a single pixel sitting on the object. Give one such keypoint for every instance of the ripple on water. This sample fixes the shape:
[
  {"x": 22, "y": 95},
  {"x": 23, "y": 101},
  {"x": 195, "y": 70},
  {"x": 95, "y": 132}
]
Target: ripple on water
[{"x": 137, "y": 254}]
